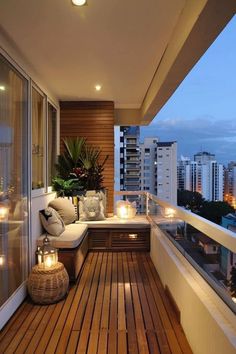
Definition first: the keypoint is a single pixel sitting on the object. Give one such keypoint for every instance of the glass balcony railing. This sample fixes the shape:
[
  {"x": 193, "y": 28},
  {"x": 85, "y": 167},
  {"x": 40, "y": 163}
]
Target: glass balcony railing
[{"x": 208, "y": 247}]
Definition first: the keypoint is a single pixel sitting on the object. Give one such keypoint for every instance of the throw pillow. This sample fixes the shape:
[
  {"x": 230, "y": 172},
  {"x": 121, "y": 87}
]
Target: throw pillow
[
  {"x": 51, "y": 221},
  {"x": 99, "y": 193},
  {"x": 65, "y": 209},
  {"x": 91, "y": 208}
]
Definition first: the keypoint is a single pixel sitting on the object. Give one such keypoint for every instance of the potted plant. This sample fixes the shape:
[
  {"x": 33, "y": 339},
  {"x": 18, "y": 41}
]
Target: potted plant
[{"x": 79, "y": 168}]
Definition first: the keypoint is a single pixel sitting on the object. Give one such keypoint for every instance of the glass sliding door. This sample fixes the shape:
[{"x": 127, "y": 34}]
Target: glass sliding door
[{"x": 13, "y": 181}]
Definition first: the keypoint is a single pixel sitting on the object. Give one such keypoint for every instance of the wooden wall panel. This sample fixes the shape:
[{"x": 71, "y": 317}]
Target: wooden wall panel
[{"x": 95, "y": 122}]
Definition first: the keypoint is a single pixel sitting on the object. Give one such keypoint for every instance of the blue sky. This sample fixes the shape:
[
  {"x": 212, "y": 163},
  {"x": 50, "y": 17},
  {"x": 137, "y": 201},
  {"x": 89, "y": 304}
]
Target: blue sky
[{"x": 201, "y": 114}]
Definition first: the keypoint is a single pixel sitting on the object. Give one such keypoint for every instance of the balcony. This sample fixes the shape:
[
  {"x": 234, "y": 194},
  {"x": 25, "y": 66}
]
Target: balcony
[
  {"x": 49, "y": 92},
  {"x": 121, "y": 304}
]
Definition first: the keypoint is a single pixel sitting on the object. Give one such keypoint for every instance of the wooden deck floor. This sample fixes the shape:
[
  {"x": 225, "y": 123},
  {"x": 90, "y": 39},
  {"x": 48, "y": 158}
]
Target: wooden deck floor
[{"x": 117, "y": 306}]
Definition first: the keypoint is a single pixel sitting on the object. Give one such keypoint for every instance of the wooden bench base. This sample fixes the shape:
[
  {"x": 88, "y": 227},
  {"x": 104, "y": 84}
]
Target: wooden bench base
[
  {"x": 116, "y": 239},
  {"x": 73, "y": 258}
]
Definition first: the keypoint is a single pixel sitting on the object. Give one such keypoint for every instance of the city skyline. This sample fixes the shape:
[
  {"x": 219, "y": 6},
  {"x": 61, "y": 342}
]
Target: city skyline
[{"x": 201, "y": 114}]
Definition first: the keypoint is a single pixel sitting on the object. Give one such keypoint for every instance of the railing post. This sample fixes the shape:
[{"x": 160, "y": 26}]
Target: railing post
[{"x": 147, "y": 203}]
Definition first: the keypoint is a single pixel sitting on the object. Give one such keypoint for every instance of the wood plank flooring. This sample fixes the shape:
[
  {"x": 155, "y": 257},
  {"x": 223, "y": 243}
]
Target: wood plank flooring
[{"x": 117, "y": 306}]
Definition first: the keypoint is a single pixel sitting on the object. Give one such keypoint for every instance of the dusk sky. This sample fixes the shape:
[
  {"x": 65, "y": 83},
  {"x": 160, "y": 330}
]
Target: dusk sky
[{"x": 201, "y": 114}]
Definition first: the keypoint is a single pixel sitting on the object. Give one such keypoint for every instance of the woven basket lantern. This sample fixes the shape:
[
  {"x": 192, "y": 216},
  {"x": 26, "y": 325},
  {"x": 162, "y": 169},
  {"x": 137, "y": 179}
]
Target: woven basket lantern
[{"x": 47, "y": 286}]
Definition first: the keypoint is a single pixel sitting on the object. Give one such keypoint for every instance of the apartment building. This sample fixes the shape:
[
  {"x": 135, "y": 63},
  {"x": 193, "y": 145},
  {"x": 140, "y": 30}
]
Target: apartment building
[
  {"x": 167, "y": 171},
  {"x": 230, "y": 184},
  {"x": 204, "y": 175}
]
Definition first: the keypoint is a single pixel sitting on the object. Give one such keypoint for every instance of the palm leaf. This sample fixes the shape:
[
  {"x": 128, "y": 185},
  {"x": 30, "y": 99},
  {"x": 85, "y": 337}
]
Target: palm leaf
[{"x": 74, "y": 147}]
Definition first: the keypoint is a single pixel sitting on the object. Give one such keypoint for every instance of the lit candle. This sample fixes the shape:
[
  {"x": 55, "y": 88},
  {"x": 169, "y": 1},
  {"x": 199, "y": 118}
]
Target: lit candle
[
  {"x": 3, "y": 212},
  {"x": 2, "y": 260},
  {"x": 169, "y": 212},
  {"x": 48, "y": 261},
  {"x": 123, "y": 212}
]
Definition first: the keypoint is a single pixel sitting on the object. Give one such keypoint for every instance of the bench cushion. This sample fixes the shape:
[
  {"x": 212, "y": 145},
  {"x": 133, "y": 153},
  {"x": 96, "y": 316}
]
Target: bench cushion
[
  {"x": 70, "y": 238},
  {"x": 115, "y": 222}
]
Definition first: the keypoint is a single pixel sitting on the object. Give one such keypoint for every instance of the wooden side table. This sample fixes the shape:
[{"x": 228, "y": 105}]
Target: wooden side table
[{"x": 47, "y": 286}]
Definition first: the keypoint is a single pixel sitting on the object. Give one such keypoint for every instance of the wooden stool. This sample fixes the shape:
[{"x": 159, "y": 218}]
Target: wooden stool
[{"x": 47, "y": 286}]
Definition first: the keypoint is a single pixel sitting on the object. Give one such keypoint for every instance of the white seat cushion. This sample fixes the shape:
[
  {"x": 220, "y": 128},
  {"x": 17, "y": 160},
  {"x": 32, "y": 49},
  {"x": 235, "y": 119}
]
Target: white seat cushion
[
  {"x": 70, "y": 238},
  {"x": 115, "y": 222}
]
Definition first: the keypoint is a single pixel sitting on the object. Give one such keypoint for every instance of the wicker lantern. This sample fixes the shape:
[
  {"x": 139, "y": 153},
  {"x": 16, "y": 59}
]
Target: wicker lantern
[{"x": 47, "y": 256}]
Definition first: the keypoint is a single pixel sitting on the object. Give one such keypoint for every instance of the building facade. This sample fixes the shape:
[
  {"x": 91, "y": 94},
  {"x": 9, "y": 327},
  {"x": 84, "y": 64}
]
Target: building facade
[{"x": 203, "y": 175}]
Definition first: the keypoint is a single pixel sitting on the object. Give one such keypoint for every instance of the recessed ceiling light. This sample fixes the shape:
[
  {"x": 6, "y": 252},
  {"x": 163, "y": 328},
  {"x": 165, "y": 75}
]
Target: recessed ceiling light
[
  {"x": 98, "y": 87},
  {"x": 79, "y": 2},
  {"x": 2, "y": 88}
]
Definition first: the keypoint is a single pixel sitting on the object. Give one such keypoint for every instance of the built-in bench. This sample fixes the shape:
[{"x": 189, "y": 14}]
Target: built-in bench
[
  {"x": 112, "y": 234},
  {"x": 72, "y": 247}
]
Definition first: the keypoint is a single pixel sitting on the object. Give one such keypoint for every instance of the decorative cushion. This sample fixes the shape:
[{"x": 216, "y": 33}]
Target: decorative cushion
[
  {"x": 91, "y": 208},
  {"x": 65, "y": 209},
  {"x": 70, "y": 238},
  {"x": 101, "y": 194},
  {"x": 51, "y": 221}
]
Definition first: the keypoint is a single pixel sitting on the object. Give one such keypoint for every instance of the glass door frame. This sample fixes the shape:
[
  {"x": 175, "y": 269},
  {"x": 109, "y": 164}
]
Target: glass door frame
[{"x": 18, "y": 296}]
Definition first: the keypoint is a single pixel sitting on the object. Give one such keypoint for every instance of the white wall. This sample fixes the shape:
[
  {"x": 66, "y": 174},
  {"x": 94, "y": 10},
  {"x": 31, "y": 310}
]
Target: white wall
[{"x": 209, "y": 325}]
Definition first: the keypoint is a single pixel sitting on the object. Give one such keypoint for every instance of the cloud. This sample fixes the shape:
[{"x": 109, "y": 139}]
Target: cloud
[{"x": 203, "y": 133}]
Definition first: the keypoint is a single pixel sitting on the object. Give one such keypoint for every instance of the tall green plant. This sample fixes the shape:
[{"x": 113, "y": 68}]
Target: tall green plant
[
  {"x": 82, "y": 162},
  {"x": 70, "y": 158},
  {"x": 74, "y": 148},
  {"x": 93, "y": 166}
]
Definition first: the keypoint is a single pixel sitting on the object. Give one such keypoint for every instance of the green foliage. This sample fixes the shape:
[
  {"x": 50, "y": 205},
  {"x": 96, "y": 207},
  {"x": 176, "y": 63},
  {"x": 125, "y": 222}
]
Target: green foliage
[
  {"x": 190, "y": 200},
  {"x": 232, "y": 282},
  {"x": 74, "y": 148},
  {"x": 65, "y": 187},
  {"x": 214, "y": 211},
  {"x": 80, "y": 162},
  {"x": 93, "y": 167}
]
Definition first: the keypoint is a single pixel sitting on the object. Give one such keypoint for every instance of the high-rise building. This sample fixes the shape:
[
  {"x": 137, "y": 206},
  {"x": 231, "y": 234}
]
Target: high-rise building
[
  {"x": 204, "y": 175},
  {"x": 149, "y": 166},
  {"x": 167, "y": 171},
  {"x": 203, "y": 157},
  {"x": 159, "y": 168},
  {"x": 230, "y": 184},
  {"x": 129, "y": 158}
]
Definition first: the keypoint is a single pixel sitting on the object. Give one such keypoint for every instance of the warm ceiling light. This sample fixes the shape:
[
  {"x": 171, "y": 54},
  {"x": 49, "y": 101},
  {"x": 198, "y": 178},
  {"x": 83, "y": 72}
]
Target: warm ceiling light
[
  {"x": 2, "y": 88},
  {"x": 98, "y": 87},
  {"x": 79, "y": 2}
]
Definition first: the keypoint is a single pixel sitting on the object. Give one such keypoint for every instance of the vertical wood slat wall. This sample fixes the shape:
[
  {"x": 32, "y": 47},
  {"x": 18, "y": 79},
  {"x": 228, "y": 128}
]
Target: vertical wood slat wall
[{"x": 93, "y": 120}]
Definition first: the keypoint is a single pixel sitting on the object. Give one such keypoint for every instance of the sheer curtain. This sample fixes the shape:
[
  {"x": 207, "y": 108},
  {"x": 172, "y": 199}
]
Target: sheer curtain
[{"x": 37, "y": 140}]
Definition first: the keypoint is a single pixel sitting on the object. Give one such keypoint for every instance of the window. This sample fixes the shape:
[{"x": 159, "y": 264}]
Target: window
[
  {"x": 13, "y": 179},
  {"x": 146, "y": 174},
  {"x": 37, "y": 140},
  {"x": 52, "y": 143}
]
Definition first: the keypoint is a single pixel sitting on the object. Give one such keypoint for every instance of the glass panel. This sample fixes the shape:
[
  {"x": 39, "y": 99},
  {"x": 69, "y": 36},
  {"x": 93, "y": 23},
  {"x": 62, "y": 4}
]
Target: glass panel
[
  {"x": 37, "y": 140},
  {"x": 215, "y": 263},
  {"x": 52, "y": 142},
  {"x": 13, "y": 180}
]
